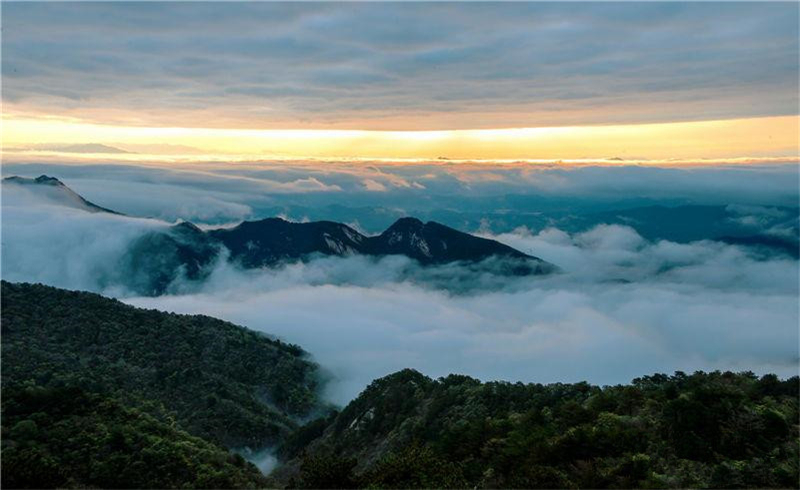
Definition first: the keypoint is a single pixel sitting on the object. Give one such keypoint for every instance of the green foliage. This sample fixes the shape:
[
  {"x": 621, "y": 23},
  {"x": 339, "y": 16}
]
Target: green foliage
[
  {"x": 710, "y": 430},
  {"x": 100, "y": 394},
  {"x": 414, "y": 467},
  {"x": 326, "y": 471},
  {"x": 67, "y": 438},
  {"x": 219, "y": 381}
]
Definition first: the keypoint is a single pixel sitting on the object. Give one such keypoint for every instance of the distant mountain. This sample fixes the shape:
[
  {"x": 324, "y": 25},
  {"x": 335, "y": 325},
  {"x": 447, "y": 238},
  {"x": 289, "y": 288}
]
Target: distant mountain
[
  {"x": 82, "y": 148},
  {"x": 272, "y": 240},
  {"x": 770, "y": 244},
  {"x": 158, "y": 258},
  {"x": 434, "y": 243},
  {"x": 772, "y": 229},
  {"x": 53, "y": 190}
]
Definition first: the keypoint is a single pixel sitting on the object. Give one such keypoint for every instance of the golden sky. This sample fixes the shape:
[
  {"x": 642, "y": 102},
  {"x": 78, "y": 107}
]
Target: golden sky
[
  {"x": 721, "y": 139},
  {"x": 243, "y": 81}
]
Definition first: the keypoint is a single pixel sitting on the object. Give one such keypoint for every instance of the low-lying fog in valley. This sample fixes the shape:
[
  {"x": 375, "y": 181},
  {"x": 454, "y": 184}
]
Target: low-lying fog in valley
[{"x": 622, "y": 306}]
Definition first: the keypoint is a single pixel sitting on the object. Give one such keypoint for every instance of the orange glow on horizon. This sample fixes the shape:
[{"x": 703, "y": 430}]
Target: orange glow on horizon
[{"x": 765, "y": 137}]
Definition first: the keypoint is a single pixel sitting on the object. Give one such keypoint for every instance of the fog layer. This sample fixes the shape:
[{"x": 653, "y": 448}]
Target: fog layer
[{"x": 622, "y": 306}]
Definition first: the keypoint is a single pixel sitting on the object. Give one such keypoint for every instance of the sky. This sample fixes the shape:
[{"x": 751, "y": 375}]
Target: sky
[{"x": 243, "y": 81}]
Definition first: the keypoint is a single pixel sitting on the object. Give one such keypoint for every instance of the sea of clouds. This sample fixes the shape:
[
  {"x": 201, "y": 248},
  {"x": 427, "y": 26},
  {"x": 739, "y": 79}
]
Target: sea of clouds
[{"x": 621, "y": 307}]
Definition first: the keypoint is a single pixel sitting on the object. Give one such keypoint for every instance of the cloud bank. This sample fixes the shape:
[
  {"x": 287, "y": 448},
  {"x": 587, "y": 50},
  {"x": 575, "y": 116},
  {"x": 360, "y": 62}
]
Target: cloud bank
[
  {"x": 377, "y": 193},
  {"x": 622, "y": 307}
]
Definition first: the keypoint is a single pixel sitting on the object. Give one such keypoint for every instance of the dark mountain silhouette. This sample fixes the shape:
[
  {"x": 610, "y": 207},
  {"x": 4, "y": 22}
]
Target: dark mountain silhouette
[
  {"x": 157, "y": 258},
  {"x": 434, "y": 243},
  {"x": 272, "y": 240},
  {"x": 768, "y": 243}
]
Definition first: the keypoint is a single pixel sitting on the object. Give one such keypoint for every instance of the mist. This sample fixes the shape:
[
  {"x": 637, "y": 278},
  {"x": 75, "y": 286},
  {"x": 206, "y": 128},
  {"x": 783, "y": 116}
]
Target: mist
[{"x": 621, "y": 307}]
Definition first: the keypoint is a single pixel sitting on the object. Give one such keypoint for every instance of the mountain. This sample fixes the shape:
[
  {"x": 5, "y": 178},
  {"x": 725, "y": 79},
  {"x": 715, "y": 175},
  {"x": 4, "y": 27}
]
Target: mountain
[
  {"x": 218, "y": 381},
  {"x": 54, "y": 191},
  {"x": 768, "y": 244},
  {"x": 762, "y": 229},
  {"x": 434, "y": 243},
  {"x": 718, "y": 430},
  {"x": 157, "y": 259},
  {"x": 100, "y": 394},
  {"x": 81, "y": 148},
  {"x": 273, "y": 240},
  {"x": 772, "y": 229}
]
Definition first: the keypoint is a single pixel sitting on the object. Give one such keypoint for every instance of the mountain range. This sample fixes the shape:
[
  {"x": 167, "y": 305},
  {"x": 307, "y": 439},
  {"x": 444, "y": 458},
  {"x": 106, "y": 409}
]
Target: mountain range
[{"x": 158, "y": 258}]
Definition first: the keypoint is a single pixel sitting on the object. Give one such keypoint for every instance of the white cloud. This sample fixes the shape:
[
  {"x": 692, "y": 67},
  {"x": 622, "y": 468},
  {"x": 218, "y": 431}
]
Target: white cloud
[
  {"x": 622, "y": 307},
  {"x": 614, "y": 314},
  {"x": 373, "y": 185}
]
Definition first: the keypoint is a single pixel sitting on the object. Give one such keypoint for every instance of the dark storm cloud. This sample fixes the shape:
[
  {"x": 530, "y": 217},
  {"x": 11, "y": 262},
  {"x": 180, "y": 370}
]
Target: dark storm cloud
[{"x": 332, "y": 63}]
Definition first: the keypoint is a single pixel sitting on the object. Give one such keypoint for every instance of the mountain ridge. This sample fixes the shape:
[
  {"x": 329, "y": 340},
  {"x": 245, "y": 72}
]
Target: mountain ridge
[
  {"x": 62, "y": 193},
  {"x": 158, "y": 258}
]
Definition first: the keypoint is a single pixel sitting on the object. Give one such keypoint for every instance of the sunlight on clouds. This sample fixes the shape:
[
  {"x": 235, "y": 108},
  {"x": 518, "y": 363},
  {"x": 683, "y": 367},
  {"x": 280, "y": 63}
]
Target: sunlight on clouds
[{"x": 735, "y": 138}]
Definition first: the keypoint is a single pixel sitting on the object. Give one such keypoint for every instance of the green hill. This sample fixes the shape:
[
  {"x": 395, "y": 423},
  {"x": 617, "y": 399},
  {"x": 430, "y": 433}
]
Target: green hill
[
  {"x": 68, "y": 438},
  {"x": 92, "y": 386},
  {"x": 222, "y": 382},
  {"x": 721, "y": 430},
  {"x": 97, "y": 393}
]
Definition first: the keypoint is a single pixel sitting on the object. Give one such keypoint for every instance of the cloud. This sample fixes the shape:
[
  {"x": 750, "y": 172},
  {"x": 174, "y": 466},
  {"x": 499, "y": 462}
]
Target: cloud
[
  {"x": 374, "y": 185},
  {"x": 513, "y": 192},
  {"x": 64, "y": 246},
  {"x": 622, "y": 307},
  {"x": 420, "y": 66}
]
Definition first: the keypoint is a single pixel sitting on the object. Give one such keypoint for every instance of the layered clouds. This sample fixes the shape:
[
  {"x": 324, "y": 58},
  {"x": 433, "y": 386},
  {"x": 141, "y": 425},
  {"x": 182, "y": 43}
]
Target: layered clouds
[
  {"x": 623, "y": 306},
  {"x": 402, "y": 66},
  {"x": 371, "y": 195}
]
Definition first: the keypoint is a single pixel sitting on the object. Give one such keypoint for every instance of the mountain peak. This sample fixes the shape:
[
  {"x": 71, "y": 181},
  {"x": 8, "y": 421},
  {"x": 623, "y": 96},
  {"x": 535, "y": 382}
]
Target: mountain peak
[
  {"x": 407, "y": 223},
  {"x": 42, "y": 179},
  {"x": 47, "y": 180}
]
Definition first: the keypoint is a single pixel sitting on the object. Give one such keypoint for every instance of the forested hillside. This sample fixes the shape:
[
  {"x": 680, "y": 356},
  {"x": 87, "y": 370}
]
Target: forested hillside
[
  {"x": 721, "y": 430},
  {"x": 92, "y": 386},
  {"x": 221, "y": 381},
  {"x": 100, "y": 394},
  {"x": 67, "y": 438}
]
